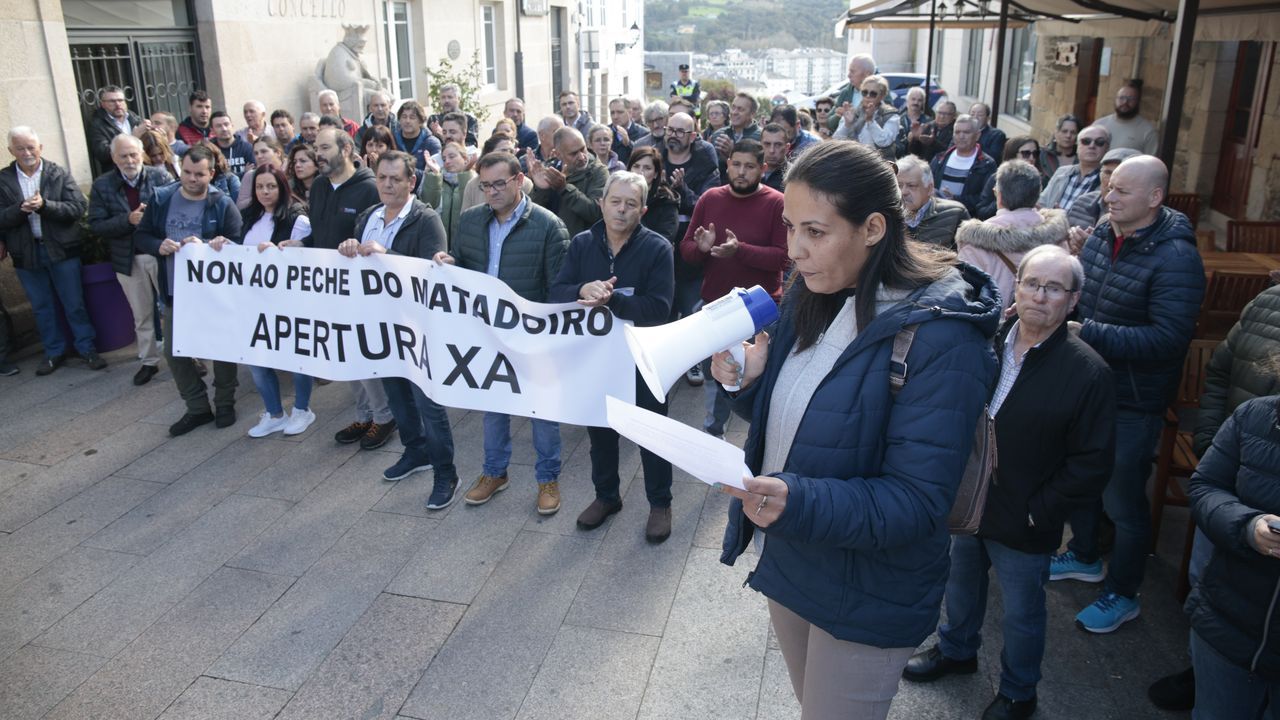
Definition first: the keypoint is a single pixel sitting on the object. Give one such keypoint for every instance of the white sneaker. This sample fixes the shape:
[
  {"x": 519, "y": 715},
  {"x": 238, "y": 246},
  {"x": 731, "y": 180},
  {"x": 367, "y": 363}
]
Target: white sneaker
[
  {"x": 299, "y": 421},
  {"x": 267, "y": 425}
]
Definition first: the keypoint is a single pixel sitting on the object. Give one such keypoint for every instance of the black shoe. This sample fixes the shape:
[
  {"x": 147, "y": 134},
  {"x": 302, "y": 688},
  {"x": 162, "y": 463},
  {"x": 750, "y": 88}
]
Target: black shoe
[
  {"x": 225, "y": 417},
  {"x": 1003, "y": 708},
  {"x": 378, "y": 435},
  {"x": 352, "y": 432},
  {"x": 932, "y": 664},
  {"x": 596, "y": 513},
  {"x": 94, "y": 361},
  {"x": 49, "y": 364},
  {"x": 1174, "y": 692},
  {"x": 190, "y": 422},
  {"x": 8, "y": 369},
  {"x": 144, "y": 374}
]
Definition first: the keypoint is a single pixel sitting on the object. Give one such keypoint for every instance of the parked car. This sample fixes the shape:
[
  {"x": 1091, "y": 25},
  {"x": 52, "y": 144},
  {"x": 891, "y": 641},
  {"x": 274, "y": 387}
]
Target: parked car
[{"x": 900, "y": 83}]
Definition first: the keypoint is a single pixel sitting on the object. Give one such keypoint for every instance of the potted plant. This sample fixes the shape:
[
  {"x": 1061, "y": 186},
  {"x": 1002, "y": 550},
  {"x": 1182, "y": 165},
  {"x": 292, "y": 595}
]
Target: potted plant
[{"x": 103, "y": 297}]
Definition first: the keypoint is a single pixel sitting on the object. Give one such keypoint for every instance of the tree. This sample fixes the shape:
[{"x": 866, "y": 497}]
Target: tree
[{"x": 468, "y": 81}]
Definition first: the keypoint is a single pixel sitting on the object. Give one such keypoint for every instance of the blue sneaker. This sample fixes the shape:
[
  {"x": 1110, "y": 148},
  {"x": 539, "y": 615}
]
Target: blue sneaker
[
  {"x": 443, "y": 495},
  {"x": 1068, "y": 567},
  {"x": 1107, "y": 613},
  {"x": 403, "y": 468}
]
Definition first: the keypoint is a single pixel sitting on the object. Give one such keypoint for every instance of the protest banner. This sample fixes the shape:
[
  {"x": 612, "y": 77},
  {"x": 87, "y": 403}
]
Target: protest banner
[{"x": 464, "y": 337}]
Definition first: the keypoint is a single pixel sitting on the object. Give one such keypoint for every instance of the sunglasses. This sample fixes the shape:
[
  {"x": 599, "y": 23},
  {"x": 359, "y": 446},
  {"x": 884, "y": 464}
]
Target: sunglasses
[
  {"x": 871, "y": 93},
  {"x": 1027, "y": 153},
  {"x": 1092, "y": 141}
]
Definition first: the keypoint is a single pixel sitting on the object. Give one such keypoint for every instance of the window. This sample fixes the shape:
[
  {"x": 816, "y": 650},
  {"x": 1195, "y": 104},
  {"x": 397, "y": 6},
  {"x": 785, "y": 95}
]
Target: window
[
  {"x": 972, "y": 81},
  {"x": 399, "y": 48},
  {"x": 489, "y": 24},
  {"x": 1022, "y": 69}
]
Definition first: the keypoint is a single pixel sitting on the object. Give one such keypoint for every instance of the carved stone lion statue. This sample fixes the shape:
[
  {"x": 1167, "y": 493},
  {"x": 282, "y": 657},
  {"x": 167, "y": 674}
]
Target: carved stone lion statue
[{"x": 346, "y": 74}]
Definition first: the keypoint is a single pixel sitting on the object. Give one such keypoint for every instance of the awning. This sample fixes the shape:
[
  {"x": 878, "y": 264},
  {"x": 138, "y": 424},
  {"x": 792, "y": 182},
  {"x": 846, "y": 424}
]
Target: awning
[{"x": 1231, "y": 17}]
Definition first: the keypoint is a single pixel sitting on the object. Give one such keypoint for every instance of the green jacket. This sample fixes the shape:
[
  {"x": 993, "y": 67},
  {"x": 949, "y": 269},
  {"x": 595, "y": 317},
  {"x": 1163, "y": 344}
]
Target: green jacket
[
  {"x": 577, "y": 205},
  {"x": 531, "y": 254},
  {"x": 1235, "y": 374},
  {"x": 445, "y": 198}
]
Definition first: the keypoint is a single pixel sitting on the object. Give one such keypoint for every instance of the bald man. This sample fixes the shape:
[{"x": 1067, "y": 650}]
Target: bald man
[{"x": 1143, "y": 284}]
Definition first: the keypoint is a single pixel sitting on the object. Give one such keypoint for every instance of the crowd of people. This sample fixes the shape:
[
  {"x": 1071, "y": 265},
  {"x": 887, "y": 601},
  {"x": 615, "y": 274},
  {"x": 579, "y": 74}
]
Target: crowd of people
[{"x": 1044, "y": 285}]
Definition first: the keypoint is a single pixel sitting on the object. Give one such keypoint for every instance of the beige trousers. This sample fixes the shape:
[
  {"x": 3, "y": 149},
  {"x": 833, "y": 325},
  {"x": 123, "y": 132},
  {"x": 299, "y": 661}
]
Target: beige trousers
[
  {"x": 139, "y": 288},
  {"x": 836, "y": 678}
]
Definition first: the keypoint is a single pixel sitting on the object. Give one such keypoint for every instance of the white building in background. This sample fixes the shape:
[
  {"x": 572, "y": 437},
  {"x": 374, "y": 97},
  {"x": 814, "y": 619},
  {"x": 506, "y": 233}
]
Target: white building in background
[
  {"x": 237, "y": 50},
  {"x": 812, "y": 70}
]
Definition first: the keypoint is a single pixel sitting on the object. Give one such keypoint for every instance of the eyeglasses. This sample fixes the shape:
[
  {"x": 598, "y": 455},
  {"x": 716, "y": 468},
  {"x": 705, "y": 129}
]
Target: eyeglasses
[
  {"x": 1092, "y": 141},
  {"x": 871, "y": 93},
  {"x": 496, "y": 185},
  {"x": 1027, "y": 153},
  {"x": 675, "y": 132},
  {"x": 1052, "y": 290}
]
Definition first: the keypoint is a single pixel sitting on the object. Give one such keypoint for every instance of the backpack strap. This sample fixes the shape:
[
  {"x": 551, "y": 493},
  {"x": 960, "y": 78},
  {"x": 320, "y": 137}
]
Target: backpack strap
[
  {"x": 1007, "y": 262},
  {"x": 898, "y": 361}
]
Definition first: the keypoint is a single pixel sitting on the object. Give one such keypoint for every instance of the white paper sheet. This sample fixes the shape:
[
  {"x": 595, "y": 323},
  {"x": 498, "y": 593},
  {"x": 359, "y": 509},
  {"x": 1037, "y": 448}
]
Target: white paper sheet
[{"x": 709, "y": 459}]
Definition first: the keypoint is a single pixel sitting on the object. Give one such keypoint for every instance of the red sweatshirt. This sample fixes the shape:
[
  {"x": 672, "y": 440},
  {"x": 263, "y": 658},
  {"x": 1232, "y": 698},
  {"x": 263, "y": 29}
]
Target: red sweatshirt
[{"x": 756, "y": 220}]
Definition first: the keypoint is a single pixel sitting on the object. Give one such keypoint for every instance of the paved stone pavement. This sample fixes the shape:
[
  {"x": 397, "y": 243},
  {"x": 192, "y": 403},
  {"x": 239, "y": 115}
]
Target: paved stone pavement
[{"x": 218, "y": 576}]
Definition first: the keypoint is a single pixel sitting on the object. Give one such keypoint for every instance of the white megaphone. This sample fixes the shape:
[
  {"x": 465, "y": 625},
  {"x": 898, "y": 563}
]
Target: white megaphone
[{"x": 665, "y": 352}]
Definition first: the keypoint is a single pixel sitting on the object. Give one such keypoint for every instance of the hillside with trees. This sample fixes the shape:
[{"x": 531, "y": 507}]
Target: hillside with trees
[{"x": 744, "y": 24}]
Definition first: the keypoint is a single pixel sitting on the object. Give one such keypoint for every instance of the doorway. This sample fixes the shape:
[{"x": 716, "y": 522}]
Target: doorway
[{"x": 1243, "y": 127}]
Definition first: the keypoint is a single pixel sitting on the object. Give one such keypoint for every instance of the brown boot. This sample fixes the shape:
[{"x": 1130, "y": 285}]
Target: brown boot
[
  {"x": 596, "y": 513},
  {"x": 378, "y": 435},
  {"x": 548, "y": 498},
  {"x": 352, "y": 432},
  {"x": 658, "y": 529},
  {"x": 485, "y": 488}
]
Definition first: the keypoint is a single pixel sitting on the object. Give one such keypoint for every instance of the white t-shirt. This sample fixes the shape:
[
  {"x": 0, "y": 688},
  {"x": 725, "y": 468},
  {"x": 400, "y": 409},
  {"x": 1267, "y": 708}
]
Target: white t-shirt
[
  {"x": 955, "y": 172},
  {"x": 261, "y": 230}
]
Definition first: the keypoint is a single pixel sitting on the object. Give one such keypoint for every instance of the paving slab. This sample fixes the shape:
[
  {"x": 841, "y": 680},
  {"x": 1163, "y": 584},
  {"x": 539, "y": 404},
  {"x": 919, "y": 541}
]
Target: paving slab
[
  {"x": 35, "y": 678},
  {"x": 631, "y": 584},
  {"x": 156, "y": 668},
  {"x": 166, "y": 513},
  {"x": 111, "y": 619},
  {"x": 177, "y": 456},
  {"x": 304, "y": 465},
  {"x": 464, "y": 548},
  {"x": 709, "y": 664},
  {"x": 216, "y": 699},
  {"x": 13, "y": 473},
  {"x": 43, "y": 491},
  {"x": 777, "y": 697},
  {"x": 283, "y": 648},
  {"x": 506, "y": 632},
  {"x": 303, "y": 534},
  {"x": 30, "y": 607},
  {"x": 37, "y": 543},
  {"x": 591, "y": 673},
  {"x": 91, "y": 427},
  {"x": 371, "y": 672},
  {"x": 712, "y": 521}
]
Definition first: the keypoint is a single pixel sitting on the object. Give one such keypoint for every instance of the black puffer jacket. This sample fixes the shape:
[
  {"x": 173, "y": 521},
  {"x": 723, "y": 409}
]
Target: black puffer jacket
[
  {"x": 1139, "y": 312},
  {"x": 59, "y": 216},
  {"x": 1234, "y": 374},
  {"x": 109, "y": 211},
  {"x": 1235, "y": 606}
]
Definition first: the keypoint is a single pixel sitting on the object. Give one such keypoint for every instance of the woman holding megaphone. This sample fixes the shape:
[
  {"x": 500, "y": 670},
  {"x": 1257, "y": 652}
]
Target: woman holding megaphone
[{"x": 853, "y": 483}]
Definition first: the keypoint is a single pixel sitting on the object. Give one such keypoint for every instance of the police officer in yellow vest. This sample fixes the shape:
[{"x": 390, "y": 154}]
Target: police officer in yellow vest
[{"x": 688, "y": 90}]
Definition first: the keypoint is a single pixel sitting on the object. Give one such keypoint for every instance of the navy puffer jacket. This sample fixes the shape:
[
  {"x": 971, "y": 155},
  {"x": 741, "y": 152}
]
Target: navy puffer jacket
[
  {"x": 1139, "y": 312},
  {"x": 1234, "y": 608},
  {"x": 861, "y": 549}
]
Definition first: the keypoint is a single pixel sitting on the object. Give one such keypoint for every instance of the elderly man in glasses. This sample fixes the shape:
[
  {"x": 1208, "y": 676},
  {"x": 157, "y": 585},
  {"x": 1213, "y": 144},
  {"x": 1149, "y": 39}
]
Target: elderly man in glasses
[
  {"x": 1054, "y": 412},
  {"x": 1070, "y": 182}
]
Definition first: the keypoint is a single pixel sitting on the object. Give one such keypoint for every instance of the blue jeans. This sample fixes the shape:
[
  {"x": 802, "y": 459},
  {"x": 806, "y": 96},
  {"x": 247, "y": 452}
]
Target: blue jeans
[
  {"x": 497, "y": 447},
  {"x": 268, "y": 384},
  {"x": 61, "y": 280},
  {"x": 1022, "y": 579},
  {"x": 424, "y": 427},
  {"x": 1227, "y": 690},
  {"x": 1125, "y": 500},
  {"x": 715, "y": 402}
]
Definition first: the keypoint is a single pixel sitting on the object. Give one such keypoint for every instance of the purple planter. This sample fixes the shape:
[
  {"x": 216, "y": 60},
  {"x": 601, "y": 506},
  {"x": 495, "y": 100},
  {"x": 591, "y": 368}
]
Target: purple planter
[{"x": 108, "y": 309}]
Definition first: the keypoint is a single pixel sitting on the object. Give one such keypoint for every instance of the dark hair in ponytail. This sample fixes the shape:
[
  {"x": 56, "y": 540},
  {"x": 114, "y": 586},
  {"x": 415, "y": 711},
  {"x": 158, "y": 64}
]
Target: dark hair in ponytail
[{"x": 858, "y": 181}]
